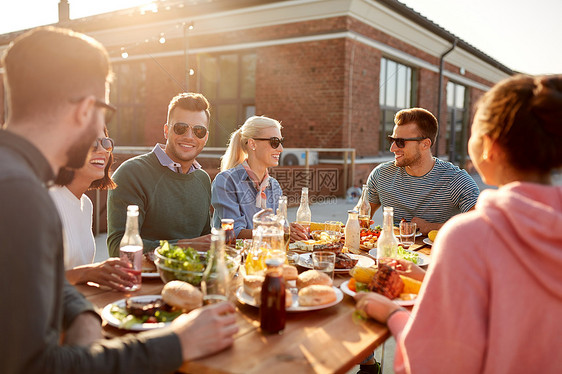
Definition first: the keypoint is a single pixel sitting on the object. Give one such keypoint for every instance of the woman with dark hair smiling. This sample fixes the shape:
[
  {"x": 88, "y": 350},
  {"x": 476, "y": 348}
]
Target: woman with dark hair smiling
[
  {"x": 76, "y": 209},
  {"x": 492, "y": 299}
]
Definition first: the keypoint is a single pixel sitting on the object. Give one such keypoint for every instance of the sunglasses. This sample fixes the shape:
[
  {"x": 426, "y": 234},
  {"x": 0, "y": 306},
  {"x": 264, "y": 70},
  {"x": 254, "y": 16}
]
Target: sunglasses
[
  {"x": 109, "y": 109},
  {"x": 401, "y": 142},
  {"x": 106, "y": 143},
  {"x": 180, "y": 128},
  {"x": 273, "y": 141}
]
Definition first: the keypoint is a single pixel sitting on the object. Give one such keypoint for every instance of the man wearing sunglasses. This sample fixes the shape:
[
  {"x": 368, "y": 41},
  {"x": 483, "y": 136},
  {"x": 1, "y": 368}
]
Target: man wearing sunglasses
[
  {"x": 172, "y": 191},
  {"x": 421, "y": 188},
  {"x": 55, "y": 81}
]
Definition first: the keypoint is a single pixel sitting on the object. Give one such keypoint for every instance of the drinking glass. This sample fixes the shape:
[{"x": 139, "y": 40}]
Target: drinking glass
[
  {"x": 407, "y": 233},
  {"x": 324, "y": 262}
]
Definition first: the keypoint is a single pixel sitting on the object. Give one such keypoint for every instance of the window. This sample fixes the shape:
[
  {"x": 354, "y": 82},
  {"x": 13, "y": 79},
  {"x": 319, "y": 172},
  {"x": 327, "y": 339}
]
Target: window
[
  {"x": 128, "y": 94},
  {"x": 457, "y": 122},
  {"x": 396, "y": 93},
  {"x": 229, "y": 83}
]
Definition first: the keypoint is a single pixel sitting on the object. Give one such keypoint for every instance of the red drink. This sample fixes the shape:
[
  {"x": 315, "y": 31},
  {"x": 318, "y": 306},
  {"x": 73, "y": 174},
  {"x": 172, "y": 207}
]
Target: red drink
[
  {"x": 228, "y": 227},
  {"x": 132, "y": 254},
  {"x": 364, "y": 222},
  {"x": 272, "y": 309}
]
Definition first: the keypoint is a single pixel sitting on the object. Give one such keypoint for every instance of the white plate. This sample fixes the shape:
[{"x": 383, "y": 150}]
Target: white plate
[
  {"x": 150, "y": 275},
  {"x": 428, "y": 241},
  {"x": 115, "y": 322},
  {"x": 351, "y": 293},
  {"x": 423, "y": 260},
  {"x": 244, "y": 298},
  {"x": 305, "y": 260}
]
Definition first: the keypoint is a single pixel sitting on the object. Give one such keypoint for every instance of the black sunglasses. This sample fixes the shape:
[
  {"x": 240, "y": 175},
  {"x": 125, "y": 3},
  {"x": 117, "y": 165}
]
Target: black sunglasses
[
  {"x": 106, "y": 143},
  {"x": 109, "y": 109},
  {"x": 180, "y": 128},
  {"x": 401, "y": 142},
  {"x": 273, "y": 141}
]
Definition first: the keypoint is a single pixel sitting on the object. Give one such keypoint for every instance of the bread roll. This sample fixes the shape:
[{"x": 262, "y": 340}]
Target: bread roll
[
  {"x": 316, "y": 295},
  {"x": 290, "y": 272},
  {"x": 288, "y": 298},
  {"x": 252, "y": 282},
  {"x": 182, "y": 295},
  {"x": 310, "y": 277}
]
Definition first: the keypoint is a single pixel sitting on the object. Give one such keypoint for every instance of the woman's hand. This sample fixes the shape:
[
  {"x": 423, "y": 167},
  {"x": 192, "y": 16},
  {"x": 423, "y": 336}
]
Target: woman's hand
[
  {"x": 374, "y": 305},
  {"x": 409, "y": 269},
  {"x": 110, "y": 273},
  {"x": 298, "y": 232}
]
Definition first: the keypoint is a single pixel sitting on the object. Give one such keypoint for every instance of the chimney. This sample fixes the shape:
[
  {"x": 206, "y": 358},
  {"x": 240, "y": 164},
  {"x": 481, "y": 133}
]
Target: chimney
[{"x": 64, "y": 11}]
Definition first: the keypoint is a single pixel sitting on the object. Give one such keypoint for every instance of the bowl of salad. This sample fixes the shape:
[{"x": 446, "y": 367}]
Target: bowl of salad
[{"x": 187, "y": 262}]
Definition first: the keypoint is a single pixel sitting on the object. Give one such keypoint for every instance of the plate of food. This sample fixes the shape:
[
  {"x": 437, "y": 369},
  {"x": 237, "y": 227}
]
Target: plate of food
[
  {"x": 139, "y": 313},
  {"x": 428, "y": 241},
  {"x": 344, "y": 261},
  {"x": 410, "y": 298},
  {"x": 417, "y": 258},
  {"x": 247, "y": 299},
  {"x": 149, "y": 269}
]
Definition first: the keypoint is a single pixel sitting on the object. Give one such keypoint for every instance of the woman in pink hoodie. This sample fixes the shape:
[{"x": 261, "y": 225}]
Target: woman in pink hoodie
[{"x": 491, "y": 301}]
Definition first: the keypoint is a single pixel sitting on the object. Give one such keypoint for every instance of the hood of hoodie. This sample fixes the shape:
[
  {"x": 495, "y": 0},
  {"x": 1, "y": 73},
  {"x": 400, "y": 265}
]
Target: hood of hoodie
[{"x": 531, "y": 215}]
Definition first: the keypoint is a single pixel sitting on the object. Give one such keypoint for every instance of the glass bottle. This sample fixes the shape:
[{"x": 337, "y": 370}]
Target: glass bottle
[
  {"x": 227, "y": 224},
  {"x": 352, "y": 231},
  {"x": 130, "y": 248},
  {"x": 304, "y": 216},
  {"x": 272, "y": 306},
  {"x": 364, "y": 208},
  {"x": 387, "y": 244},
  {"x": 282, "y": 214},
  {"x": 215, "y": 281}
]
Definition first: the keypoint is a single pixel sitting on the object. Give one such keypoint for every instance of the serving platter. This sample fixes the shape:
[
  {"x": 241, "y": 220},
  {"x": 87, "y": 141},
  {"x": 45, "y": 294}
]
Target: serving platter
[
  {"x": 305, "y": 260},
  {"x": 345, "y": 288},
  {"x": 244, "y": 298}
]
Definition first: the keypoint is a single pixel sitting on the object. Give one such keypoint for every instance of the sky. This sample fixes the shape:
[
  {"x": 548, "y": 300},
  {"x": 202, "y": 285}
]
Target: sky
[{"x": 524, "y": 35}]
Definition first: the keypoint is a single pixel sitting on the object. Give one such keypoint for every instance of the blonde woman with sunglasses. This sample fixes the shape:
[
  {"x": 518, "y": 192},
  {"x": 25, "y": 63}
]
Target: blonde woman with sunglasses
[
  {"x": 76, "y": 209},
  {"x": 244, "y": 187}
]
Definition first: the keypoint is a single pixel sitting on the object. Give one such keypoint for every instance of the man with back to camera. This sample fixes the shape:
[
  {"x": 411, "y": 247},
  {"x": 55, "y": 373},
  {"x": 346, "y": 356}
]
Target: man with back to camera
[
  {"x": 169, "y": 186},
  {"x": 421, "y": 188},
  {"x": 56, "y": 83}
]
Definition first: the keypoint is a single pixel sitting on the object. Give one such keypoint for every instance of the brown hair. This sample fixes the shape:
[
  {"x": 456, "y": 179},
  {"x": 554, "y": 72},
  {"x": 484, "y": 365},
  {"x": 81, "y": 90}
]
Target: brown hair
[
  {"x": 426, "y": 122},
  {"x": 523, "y": 115},
  {"x": 66, "y": 175},
  {"x": 194, "y": 102},
  {"x": 48, "y": 66}
]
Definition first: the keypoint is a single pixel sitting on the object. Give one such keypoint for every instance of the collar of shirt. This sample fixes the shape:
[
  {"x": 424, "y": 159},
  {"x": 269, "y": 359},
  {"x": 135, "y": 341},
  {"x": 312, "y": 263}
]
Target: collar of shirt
[{"x": 166, "y": 161}]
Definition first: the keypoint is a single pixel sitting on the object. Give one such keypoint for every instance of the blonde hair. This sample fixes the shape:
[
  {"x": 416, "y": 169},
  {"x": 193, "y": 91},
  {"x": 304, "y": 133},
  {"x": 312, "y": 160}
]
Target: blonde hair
[{"x": 237, "y": 150}]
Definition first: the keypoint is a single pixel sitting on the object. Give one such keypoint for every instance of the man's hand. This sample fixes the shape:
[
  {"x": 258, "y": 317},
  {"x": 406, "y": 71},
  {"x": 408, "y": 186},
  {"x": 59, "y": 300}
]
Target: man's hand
[
  {"x": 206, "y": 330},
  {"x": 425, "y": 226},
  {"x": 374, "y": 305},
  {"x": 84, "y": 330},
  {"x": 298, "y": 232}
]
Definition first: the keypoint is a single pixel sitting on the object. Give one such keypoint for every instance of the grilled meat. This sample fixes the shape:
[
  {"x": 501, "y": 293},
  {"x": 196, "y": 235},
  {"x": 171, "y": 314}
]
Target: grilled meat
[
  {"x": 148, "y": 308},
  {"x": 387, "y": 282},
  {"x": 343, "y": 261}
]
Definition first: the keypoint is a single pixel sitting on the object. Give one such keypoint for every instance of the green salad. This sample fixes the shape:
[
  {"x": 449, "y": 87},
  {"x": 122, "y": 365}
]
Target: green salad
[
  {"x": 407, "y": 255},
  {"x": 181, "y": 263},
  {"x": 127, "y": 320}
]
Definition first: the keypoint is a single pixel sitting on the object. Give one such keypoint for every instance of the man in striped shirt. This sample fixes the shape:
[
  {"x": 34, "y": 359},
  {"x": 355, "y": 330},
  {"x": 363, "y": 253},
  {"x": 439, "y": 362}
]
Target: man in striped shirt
[{"x": 421, "y": 188}]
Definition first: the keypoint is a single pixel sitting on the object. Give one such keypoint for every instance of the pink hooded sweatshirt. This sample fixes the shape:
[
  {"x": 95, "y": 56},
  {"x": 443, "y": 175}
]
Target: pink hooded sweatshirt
[{"x": 491, "y": 301}]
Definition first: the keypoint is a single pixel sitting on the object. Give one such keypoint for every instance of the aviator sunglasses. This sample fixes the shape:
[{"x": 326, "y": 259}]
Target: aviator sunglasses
[
  {"x": 401, "y": 142},
  {"x": 180, "y": 128},
  {"x": 273, "y": 141},
  {"x": 106, "y": 143}
]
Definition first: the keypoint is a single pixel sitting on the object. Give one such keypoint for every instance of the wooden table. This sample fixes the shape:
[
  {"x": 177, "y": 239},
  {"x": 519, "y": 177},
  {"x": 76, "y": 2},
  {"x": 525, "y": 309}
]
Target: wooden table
[{"x": 322, "y": 341}]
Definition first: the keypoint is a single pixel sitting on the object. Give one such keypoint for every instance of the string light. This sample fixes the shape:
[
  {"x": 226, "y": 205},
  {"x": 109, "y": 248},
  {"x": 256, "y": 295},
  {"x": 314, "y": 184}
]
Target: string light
[
  {"x": 162, "y": 39},
  {"x": 191, "y": 72},
  {"x": 124, "y": 53}
]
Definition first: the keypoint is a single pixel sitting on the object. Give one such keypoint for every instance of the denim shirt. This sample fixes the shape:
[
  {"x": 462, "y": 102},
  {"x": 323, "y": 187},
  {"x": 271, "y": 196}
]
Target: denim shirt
[{"x": 233, "y": 195}]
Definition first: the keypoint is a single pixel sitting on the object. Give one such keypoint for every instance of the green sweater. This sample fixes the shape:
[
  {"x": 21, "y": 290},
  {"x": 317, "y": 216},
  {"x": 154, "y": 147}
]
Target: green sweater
[{"x": 172, "y": 206}]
